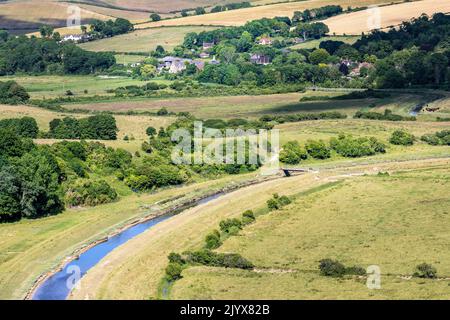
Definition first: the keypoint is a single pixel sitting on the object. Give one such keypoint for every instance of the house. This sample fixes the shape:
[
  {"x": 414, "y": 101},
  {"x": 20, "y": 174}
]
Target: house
[
  {"x": 265, "y": 41},
  {"x": 299, "y": 40},
  {"x": 260, "y": 59},
  {"x": 204, "y": 55},
  {"x": 199, "y": 64},
  {"x": 208, "y": 45},
  {"x": 357, "y": 71},
  {"x": 177, "y": 66}
]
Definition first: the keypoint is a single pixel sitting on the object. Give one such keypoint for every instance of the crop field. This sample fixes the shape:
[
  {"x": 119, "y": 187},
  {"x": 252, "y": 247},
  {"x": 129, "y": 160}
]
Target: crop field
[
  {"x": 358, "y": 22},
  {"x": 40, "y": 87},
  {"x": 241, "y": 16},
  {"x": 134, "y": 270},
  {"x": 256, "y": 106},
  {"x": 144, "y": 40},
  {"x": 16, "y": 15},
  {"x": 363, "y": 221}
]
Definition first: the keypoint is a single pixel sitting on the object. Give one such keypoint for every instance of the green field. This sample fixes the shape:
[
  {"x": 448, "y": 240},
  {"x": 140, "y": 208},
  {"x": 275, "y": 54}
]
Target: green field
[
  {"x": 127, "y": 59},
  {"x": 144, "y": 40},
  {"x": 395, "y": 222},
  {"x": 40, "y": 87},
  {"x": 312, "y": 44},
  {"x": 256, "y": 106}
]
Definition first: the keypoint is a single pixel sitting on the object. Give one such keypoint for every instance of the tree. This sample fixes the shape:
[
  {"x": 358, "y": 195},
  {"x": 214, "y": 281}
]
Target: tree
[
  {"x": 226, "y": 53},
  {"x": 173, "y": 271},
  {"x": 151, "y": 131},
  {"x": 292, "y": 153},
  {"x": 184, "y": 13},
  {"x": 319, "y": 56},
  {"x": 46, "y": 31},
  {"x": 318, "y": 149},
  {"x": 155, "y": 17},
  {"x": 10, "y": 194},
  {"x": 200, "y": 10},
  {"x": 402, "y": 137}
]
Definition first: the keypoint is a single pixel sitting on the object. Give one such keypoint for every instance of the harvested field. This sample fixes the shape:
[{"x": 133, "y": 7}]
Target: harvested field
[{"x": 358, "y": 22}]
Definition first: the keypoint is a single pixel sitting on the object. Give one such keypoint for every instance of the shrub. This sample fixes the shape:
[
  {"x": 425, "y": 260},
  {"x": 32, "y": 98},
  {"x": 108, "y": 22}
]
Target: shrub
[
  {"x": 90, "y": 193},
  {"x": 162, "y": 112},
  {"x": 438, "y": 138},
  {"x": 248, "y": 217},
  {"x": 226, "y": 260},
  {"x": 176, "y": 258},
  {"x": 402, "y": 138},
  {"x": 226, "y": 225},
  {"x": 318, "y": 149},
  {"x": 277, "y": 202},
  {"x": 347, "y": 146},
  {"x": 355, "y": 270},
  {"x": 425, "y": 270},
  {"x": 331, "y": 268},
  {"x": 173, "y": 271},
  {"x": 212, "y": 240},
  {"x": 150, "y": 131},
  {"x": 292, "y": 153}
]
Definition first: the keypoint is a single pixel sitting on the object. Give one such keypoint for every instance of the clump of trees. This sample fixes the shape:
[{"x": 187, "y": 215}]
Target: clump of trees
[
  {"x": 101, "y": 126},
  {"x": 318, "y": 149},
  {"x": 387, "y": 115},
  {"x": 402, "y": 138},
  {"x": 350, "y": 147},
  {"x": 440, "y": 138},
  {"x": 48, "y": 55},
  {"x": 303, "y": 117},
  {"x": 293, "y": 153},
  {"x": 25, "y": 127},
  {"x": 110, "y": 28},
  {"x": 11, "y": 92},
  {"x": 89, "y": 193}
]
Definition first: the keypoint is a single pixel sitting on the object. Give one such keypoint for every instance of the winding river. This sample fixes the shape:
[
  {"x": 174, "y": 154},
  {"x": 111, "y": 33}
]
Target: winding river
[{"x": 58, "y": 285}]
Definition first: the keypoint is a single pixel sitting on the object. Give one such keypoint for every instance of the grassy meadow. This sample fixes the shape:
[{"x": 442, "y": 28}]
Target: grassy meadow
[
  {"x": 315, "y": 43},
  {"x": 256, "y": 106},
  {"x": 357, "y": 22},
  {"x": 362, "y": 221},
  {"x": 144, "y": 40}
]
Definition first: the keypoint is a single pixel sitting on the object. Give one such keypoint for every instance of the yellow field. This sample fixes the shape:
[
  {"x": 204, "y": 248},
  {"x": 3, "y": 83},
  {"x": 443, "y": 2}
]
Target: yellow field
[
  {"x": 357, "y": 22},
  {"x": 241, "y": 16},
  {"x": 29, "y": 14},
  {"x": 144, "y": 40}
]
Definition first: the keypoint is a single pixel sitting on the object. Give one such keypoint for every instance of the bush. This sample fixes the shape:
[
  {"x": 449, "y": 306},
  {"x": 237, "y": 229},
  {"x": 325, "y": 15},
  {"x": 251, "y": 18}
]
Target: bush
[
  {"x": 226, "y": 225},
  {"x": 225, "y": 260},
  {"x": 356, "y": 271},
  {"x": 176, "y": 258},
  {"x": 248, "y": 217},
  {"x": 173, "y": 271},
  {"x": 292, "y": 153},
  {"x": 212, "y": 240},
  {"x": 437, "y": 139},
  {"x": 90, "y": 193},
  {"x": 277, "y": 202},
  {"x": 425, "y": 270},
  {"x": 318, "y": 149},
  {"x": 331, "y": 268},
  {"x": 402, "y": 138}
]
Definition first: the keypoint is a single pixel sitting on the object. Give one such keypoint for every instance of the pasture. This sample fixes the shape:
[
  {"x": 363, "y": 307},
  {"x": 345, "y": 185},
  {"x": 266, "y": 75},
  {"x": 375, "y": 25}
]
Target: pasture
[
  {"x": 134, "y": 270},
  {"x": 313, "y": 44},
  {"x": 362, "y": 221},
  {"x": 144, "y": 40},
  {"x": 256, "y": 106},
  {"x": 40, "y": 87},
  {"x": 357, "y": 22}
]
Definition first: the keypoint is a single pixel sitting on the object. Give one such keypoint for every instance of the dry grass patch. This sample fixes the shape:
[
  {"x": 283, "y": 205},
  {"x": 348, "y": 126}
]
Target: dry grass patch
[{"x": 357, "y": 22}]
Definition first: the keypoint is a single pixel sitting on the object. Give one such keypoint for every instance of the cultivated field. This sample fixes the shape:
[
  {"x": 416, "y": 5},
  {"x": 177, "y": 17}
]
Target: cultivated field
[
  {"x": 256, "y": 106},
  {"x": 134, "y": 270},
  {"x": 18, "y": 15},
  {"x": 358, "y": 22},
  {"x": 144, "y": 40},
  {"x": 241, "y": 16},
  {"x": 362, "y": 221}
]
